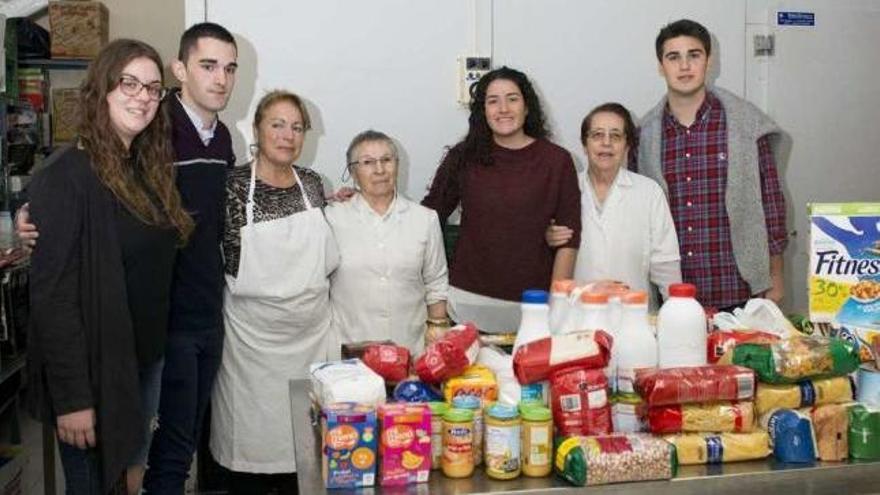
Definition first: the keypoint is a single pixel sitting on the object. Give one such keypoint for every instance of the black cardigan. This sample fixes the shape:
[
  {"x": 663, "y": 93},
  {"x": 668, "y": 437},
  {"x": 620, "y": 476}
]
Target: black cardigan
[{"x": 81, "y": 348}]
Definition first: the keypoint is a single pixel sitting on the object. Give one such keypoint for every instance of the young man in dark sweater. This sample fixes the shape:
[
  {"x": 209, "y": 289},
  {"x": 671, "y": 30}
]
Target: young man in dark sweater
[{"x": 206, "y": 69}]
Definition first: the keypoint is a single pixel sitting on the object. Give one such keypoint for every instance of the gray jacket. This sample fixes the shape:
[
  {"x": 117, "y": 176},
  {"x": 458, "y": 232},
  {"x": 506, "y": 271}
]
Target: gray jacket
[{"x": 743, "y": 201}]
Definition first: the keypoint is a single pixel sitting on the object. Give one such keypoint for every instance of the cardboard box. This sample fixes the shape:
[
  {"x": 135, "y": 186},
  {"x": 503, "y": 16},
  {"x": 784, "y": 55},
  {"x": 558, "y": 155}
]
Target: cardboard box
[
  {"x": 65, "y": 103},
  {"x": 349, "y": 436},
  {"x": 78, "y": 29},
  {"x": 844, "y": 278}
]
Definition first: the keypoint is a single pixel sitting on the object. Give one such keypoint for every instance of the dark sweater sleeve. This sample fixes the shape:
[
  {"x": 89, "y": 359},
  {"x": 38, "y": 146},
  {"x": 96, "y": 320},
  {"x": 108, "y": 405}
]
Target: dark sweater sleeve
[
  {"x": 444, "y": 194},
  {"x": 568, "y": 204},
  {"x": 57, "y": 210}
]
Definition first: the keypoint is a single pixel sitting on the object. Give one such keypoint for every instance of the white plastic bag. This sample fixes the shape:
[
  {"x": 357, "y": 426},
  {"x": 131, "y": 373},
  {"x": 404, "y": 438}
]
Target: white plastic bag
[
  {"x": 501, "y": 364},
  {"x": 346, "y": 381},
  {"x": 764, "y": 314}
]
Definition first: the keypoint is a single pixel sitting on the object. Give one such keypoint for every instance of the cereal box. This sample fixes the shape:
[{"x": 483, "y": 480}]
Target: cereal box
[
  {"x": 844, "y": 278},
  {"x": 404, "y": 443},
  {"x": 477, "y": 380},
  {"x": 348, "y": 432}
]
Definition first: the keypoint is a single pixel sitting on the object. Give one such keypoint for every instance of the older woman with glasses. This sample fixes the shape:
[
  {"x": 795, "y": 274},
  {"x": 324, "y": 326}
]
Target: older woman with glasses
[
  {"x": 392, "y": 275},
  {"x": 627, "y": 230}
]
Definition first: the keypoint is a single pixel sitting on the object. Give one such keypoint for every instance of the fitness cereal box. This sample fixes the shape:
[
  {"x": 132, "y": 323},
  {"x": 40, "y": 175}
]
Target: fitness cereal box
[
  {"x": 844, "y": 277},
  {"x": 349, "y": 437},
  {"x": 404, "y": 443}
]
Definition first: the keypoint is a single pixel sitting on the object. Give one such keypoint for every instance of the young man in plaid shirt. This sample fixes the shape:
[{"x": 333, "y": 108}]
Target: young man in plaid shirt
[{"x": 715, "y": 156}]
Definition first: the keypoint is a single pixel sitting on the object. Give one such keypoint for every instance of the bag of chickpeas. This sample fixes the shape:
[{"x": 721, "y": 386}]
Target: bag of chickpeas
[{"x": 619, "y": 458}]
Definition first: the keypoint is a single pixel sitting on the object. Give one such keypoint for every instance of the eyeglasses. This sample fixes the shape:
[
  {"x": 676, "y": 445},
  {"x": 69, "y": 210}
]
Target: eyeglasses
[
  {"x": 372, "y": 162},
  {"x": 597, "y": 136},
  {"x": 132, "y": 86}
]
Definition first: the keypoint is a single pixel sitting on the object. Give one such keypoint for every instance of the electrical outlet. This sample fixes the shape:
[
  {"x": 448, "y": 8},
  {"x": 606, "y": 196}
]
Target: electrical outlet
[{"x": 470, "y": 70}]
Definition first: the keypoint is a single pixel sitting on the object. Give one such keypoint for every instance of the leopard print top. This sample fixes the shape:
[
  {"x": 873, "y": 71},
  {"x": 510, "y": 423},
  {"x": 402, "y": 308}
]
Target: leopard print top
[{"x": 270, "y": 203}]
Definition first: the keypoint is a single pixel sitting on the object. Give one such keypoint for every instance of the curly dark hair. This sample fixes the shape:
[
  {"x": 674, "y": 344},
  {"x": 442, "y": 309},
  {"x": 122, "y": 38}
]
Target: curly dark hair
[{"x": 141, "y": 177}]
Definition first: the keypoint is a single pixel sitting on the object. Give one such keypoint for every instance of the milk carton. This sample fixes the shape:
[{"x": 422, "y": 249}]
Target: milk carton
[
  {"x": 404, "y": 444},
  {"x": 349, "y": 436},
  {"x": 844, "y": 278}
]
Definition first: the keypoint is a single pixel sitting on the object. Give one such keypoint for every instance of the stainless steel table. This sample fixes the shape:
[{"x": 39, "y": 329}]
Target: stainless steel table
[{"x": 740, "y": 478}]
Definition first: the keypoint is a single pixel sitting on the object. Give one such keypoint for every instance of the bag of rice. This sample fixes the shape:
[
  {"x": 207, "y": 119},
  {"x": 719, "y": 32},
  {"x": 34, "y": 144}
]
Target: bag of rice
[
  {"x": 791, "y": 434},
  {"x": 837, "y": 390},
  {"x": 604, "y": 459},
  {"x": 708, "y": 448}
]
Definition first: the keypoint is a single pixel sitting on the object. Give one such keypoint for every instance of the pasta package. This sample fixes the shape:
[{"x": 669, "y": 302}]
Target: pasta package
[
  {"x": 831, "y": 424},
  {"x": 805, "y": 393},
  {"x": 791, "y": 434},
  {"x": 864, "y": 432},
  {"x": 800, "y": 358},
  {"x": 712, "y": 417},
  {"x": 389, "y": 361},
  {"x": 659, "y": 387},
  {"x": 720, "y": 343},
  {"x": 604, "y": 459},
  {"x": 696, "y": 448},
  {"x": 535, "y": 361}
]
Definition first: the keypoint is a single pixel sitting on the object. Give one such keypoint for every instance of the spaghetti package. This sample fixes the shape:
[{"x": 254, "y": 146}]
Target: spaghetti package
[
  {"x": 450, "y": 355},
  {"x": 720, "y": 343},
  {"x": 535, "y": 361},
  {"x": 389, "y": 361},
  {"x": 659, "y": 387},
  {"x": 707, "y": 448},
  {"x": 805, "y": 393},
  {"x": 580, "y": 402},
  {"x": 712, "y": 417},
  {"x": 802, "y": 358},
  {"x": 831, "y": 424},
  {"x": 791, "y": 434},
  {"x": 599, "y": 460}
]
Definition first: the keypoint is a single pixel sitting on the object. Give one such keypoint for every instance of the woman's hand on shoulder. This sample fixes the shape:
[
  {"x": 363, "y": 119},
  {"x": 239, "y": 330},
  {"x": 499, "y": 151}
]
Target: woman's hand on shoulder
[
  {"x": 342, "y": 195},
  {"x": 557, "y": 235}
]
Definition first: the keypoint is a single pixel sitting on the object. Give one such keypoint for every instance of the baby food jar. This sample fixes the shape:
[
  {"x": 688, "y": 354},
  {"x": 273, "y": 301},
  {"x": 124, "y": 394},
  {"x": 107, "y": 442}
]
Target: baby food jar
[
  {"x": 458, "y": 443},
  {"x": 537, "y": 440},
  {"x": 502, "y": 442},
  {"x": 438, "y": 409},
  {"x": 475, "y": 405}
]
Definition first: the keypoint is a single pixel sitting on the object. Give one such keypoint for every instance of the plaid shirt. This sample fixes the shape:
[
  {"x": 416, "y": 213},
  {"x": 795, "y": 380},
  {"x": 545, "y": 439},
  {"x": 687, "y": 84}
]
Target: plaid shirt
[{"x": 695, "y": 168}]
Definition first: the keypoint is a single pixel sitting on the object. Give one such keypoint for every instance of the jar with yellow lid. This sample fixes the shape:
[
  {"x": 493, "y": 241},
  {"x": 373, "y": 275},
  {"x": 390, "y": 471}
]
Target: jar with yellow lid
[
  {"x": 502, "y": 433},
  {"x": 458, "y": 443},
  {"x": 537, "y": 441},
  {"x": 438, "y": 409}
]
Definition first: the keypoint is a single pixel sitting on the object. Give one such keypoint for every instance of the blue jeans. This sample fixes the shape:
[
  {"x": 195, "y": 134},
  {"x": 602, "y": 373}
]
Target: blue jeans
[
  {"x": 192, "y": 359},
  {"x": 82, "y": 471}
]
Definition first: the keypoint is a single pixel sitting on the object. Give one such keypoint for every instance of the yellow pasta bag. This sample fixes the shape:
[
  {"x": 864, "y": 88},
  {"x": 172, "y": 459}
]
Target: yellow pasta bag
[
  {"x": 710, "y": 417},
  {"x": 708, "y": 448},
  {"x": 807, "y": 393}
]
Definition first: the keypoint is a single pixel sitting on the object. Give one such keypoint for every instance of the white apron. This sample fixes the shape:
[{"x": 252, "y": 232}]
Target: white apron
[{"x": 278, "y": 320}]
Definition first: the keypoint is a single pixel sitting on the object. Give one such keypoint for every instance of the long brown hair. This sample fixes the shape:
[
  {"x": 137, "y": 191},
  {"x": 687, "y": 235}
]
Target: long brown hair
[{"x": 143, "y": 175}]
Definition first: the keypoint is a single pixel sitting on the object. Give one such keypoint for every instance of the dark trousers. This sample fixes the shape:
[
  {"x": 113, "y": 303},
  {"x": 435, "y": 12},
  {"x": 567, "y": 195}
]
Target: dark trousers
[
  {"x": 82, "y": 471},
  {"x": 192, "y": 359},
  {"x": 262, "y": 484}
]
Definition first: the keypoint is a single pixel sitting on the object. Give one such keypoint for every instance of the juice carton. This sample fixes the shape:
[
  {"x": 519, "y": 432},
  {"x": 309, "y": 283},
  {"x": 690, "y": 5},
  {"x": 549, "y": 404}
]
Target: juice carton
[
  {"x": 348, "y": 433},
  {"x": 844, "y": 278},
  {"x": 404, "y": 444}
]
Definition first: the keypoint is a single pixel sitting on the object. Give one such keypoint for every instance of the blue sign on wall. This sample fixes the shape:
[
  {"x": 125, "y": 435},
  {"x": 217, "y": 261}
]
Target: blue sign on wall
[{"x": 795, "y": 19}]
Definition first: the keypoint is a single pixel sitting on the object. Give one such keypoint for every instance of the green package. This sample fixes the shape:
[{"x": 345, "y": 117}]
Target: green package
[
  {"x": 864, "y": 432},
  {"x": 796, "y": 359}
]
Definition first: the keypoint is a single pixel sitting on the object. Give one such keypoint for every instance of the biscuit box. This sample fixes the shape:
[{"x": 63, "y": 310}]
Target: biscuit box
[
  {"x": 404, "y": 443},
  {"x": 348, "y": 445},
  {"x": 844, "y": 278}
]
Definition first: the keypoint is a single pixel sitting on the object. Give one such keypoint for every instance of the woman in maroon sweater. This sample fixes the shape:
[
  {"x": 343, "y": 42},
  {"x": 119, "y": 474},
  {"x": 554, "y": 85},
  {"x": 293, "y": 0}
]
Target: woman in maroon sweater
[{"x": 511, "y": 182}]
